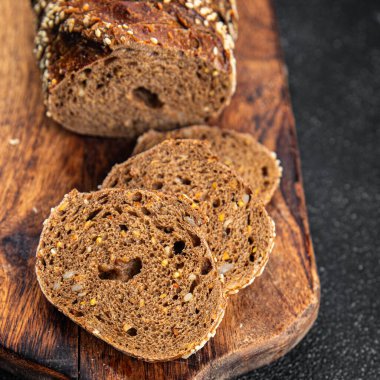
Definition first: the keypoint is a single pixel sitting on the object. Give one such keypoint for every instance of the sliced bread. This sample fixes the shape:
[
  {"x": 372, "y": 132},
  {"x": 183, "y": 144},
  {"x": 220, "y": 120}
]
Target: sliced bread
[
  {"x": 132, "y": 268},
  {"x": 256, "y": 164},
  {"x": 118, "y": 68},
  {"x": 240, "y": 233}
]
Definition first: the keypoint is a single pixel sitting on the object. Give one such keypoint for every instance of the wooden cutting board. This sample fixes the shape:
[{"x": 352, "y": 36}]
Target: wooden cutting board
[{"x": 262, "y": 322}]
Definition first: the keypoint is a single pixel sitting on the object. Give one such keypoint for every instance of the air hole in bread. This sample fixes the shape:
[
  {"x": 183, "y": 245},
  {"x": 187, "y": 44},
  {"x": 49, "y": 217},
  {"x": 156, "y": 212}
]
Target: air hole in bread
[
  {"x": 252, "y": 257},
  {"x": 157, "y": 185},
  {"x": 264, "y": 170},
  {"x": 149, "y": 98},
  {"x": 227, "y": 231},
  {"x": 145, "y": 211},
  {"x": 77, "y": 313},
  {"x": 99, "y": 318},
  {"x": 206, "y": 267},
  {"x": 118, "y": 210},
  {"x": 186, "y": 181},
  {"x": 106, "y": 215},
  {"x": 93, "y": 214},
  {"x": 107, "y": 314},
  {"x": 114, "y": 183},
  {"x": 193, "y": 285},
  {"x": 179, "y": 246},
  {"x": 87, "y": 71},
  {"x": 137, "y": 197},
  {"x": 216, "y": 203},
  {"x": 132, "y": 213},
  {"x": 132, "y": 331},
  {"x": 266, "y": 183},
  {"x": 123, "y": 227},
  {"x": 99, "y": 86},
  {"x": 250, "y": 240},
  {"x": 120, "y": 271},
  {"x": 195, "y": 239},
  {"x": 103, "y": 199},
  {"x": 179, "y": 265}
]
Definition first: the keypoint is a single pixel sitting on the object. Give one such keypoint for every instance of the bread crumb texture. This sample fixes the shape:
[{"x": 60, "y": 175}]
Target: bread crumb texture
[
  {"x": 256, "y": 164},
  {"x": 127, "y": 266},
  {"x": 240, "y": 233},
  {"x": 135, "y": 64}
]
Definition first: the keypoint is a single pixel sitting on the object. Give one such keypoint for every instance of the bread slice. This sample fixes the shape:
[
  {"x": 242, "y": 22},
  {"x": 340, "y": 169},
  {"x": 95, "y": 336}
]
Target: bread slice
[
  {"x": 132, "y": 268},
  {"x": 240, "y": 233},
  {"x": 256, "y": 164},
  {"x": 119, "y": 68}
]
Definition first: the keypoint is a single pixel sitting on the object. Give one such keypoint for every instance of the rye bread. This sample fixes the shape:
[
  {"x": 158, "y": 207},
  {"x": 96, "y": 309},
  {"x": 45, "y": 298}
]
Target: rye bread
[
  {"x": 239, "y": 232},
  {"x": 132, "y": 268},
  {"x": 255, "y": 163},
  {"x": 118, "y": 68}
]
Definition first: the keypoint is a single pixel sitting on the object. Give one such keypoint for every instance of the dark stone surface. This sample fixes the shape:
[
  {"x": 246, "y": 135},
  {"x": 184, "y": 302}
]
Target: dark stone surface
[{"x": 332, "y": 50}]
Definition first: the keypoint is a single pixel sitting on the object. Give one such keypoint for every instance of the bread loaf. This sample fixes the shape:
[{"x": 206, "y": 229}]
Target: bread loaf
[
  {"x": 256, "y": 164},
  {"x": 240, "y": 233},
  {"x": 132, "y": 268},
  {"x": 118, "y": 68}
]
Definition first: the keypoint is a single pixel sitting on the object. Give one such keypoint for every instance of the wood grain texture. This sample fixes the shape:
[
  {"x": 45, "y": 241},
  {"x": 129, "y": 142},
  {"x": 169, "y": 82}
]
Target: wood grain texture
[{"x": 262, "y": 322}]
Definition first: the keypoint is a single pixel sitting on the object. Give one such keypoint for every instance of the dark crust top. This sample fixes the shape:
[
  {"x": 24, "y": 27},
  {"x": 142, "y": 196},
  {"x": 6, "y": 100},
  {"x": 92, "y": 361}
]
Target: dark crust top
[
  {"x": 226, "y": 10},
  {"x": 73, "y": 34}
]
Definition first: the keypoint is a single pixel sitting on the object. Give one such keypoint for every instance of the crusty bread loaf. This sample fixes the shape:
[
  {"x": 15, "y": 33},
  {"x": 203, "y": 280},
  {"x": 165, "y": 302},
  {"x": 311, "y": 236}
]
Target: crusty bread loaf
[
  {"x": 132, "y": 268},
  {"x": 118, "y": 68},
  {"x": 256, "y": 164},
  {"x": 240, "y": 233}
]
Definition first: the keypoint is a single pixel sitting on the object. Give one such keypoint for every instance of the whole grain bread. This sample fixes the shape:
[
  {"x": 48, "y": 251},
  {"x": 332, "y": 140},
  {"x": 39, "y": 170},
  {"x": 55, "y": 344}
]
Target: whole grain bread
[
  {"x": 240, "y": 233},
  {"x": 132, "y": 268},
  {"x": 256, "y": 164},
  {"x": 118, "y": 68}
]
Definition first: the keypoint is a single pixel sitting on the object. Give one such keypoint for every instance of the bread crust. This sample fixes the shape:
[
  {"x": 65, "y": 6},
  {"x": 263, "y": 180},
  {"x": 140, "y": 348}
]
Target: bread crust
[
  {"x": 74, "y": 35},
  {"x": 240, "y": 232},
  {"x": 256, "y": 164},
  {"x": 47, "y": 273}
]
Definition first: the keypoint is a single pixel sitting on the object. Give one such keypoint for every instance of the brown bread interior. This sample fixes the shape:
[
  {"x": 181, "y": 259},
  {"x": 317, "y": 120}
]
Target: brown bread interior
[
  {"x": 132, "y": 268},
  {"x": 256, "y": 164},
  {"x": 240, "y": 233},
  {"x": 137, "y": 88}
]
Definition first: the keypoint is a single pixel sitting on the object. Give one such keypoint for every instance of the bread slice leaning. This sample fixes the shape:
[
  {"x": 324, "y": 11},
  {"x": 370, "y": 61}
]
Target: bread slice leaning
[
  {"x": 118, "y": 68},
  {"x": 255, "y": 163},
  {"x": 132, "y": 268},
  {"x": 240, "y": 233}
]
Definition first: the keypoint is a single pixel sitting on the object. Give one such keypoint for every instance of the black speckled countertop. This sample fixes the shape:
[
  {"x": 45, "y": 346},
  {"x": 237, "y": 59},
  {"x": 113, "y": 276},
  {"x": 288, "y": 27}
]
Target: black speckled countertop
[{"x": 332, "y": 50}]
